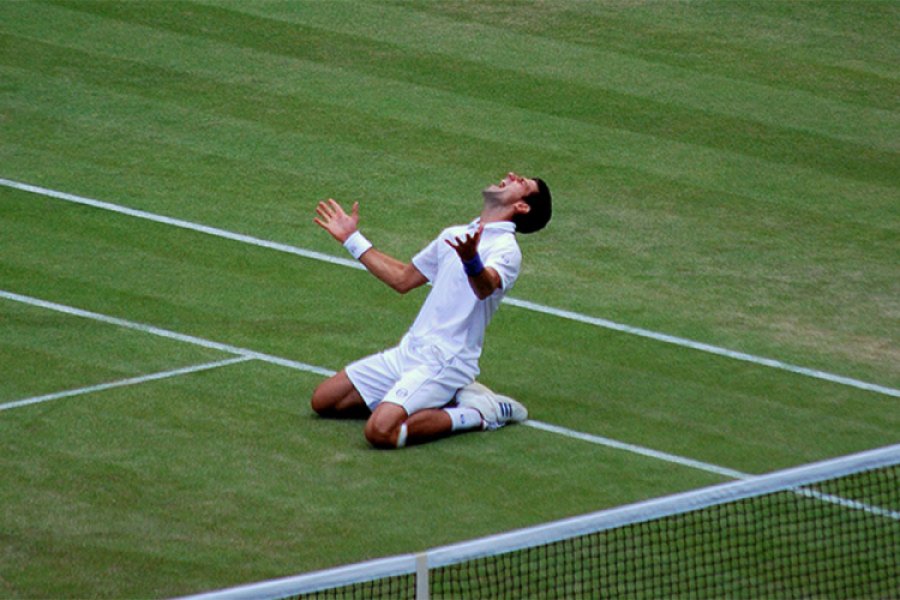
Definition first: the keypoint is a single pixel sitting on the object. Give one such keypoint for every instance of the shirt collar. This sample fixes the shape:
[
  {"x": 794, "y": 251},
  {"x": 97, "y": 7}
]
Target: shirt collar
[{"x": 501, "y": 226}]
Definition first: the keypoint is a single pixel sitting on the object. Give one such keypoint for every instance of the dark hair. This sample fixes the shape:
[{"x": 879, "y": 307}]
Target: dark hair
[{"x": 541, "y": 210}]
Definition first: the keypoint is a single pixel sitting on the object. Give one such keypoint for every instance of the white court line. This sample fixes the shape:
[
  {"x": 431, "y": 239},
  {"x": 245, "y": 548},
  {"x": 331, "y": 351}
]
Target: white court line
[
  {"x": 685, "y": 343},
  {"x": 69, "y": 310},
  {"x": 708, "y": 467},
  {"x": 565, "y": 314},
  {"x": 245, "y": 354},
  {"x": 125, "y": 382},
  {"x": 214, "y": 231},
  {"x": 665, "y": 456}
]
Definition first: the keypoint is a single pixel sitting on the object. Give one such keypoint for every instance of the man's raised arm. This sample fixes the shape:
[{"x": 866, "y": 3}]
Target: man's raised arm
[{"x": 400, "y": 276}]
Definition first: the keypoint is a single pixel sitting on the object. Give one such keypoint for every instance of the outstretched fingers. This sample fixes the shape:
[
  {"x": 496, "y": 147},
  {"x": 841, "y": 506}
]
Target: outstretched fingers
[
  {"x": 329, "y": 212},
  {"x": 325, "y": 214},
  {"x": 332, "y": 218},
  {"x": 467, "y": 247}
]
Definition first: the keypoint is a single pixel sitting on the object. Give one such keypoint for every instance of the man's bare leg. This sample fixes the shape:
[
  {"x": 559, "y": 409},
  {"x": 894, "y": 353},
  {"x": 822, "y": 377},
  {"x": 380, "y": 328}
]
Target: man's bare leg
[
  {"x": 390, "y": 427},
  {"x": 428, "y": 425}
]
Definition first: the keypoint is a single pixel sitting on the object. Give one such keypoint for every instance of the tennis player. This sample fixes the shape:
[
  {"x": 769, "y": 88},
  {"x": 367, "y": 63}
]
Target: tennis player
[{"x": 424, "y": 388}]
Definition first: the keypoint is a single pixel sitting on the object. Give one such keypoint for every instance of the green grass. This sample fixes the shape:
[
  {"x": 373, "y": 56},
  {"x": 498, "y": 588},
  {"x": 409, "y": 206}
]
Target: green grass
[{"x": 722, "y": 171}]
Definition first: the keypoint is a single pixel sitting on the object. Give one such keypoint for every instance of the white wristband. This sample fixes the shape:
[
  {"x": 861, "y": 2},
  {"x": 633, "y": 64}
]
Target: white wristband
[{"x": 357, "y": 244}]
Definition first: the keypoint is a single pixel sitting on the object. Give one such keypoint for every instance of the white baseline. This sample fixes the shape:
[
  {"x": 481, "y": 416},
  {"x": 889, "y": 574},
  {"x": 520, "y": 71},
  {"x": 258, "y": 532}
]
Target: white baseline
[{"x": 565, "y": 314}]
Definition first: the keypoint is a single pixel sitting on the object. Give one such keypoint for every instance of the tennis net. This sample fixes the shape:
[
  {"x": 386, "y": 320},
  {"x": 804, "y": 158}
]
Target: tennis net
[{"x": 830, "y": 529}]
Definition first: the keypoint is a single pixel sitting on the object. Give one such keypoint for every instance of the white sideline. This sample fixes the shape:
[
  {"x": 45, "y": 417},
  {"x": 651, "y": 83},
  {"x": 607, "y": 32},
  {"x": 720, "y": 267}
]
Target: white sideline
[
  {"x": 708, "y": 467},
  {"x": 190, "y": 339},
  {"x": 686, "y": 343},
  {"x": 565, "y": 314},
  {"x": 214, "y": 231},
  {"x": 125, "y": 382},
  {"x": 665, "y": 456}
]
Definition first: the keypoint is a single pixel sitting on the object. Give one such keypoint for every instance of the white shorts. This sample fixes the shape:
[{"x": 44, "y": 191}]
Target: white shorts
[{"x": 415, "y": 377}]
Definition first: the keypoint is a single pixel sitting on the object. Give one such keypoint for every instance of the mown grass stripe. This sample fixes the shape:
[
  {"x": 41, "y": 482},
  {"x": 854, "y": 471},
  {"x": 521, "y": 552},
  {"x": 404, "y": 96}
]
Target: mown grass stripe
[
  {"x": 565, "y": 100},
  {"x": 565, "y": 314},
  {"x": 763, "y": 170},
  {"x": 535, "y": 57},
  {"x": 660, "y": 113}
]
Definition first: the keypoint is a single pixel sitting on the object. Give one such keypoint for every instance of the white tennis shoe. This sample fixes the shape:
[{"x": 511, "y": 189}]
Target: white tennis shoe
[{"x": 496, "y": 410}]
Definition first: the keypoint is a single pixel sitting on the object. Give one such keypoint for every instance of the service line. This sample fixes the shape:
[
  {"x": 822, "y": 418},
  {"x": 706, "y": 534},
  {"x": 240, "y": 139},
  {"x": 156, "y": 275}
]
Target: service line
[{"x": 125, "y": 382}]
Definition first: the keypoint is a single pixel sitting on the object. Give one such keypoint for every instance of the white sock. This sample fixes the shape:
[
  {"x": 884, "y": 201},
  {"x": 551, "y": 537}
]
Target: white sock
[
  {"x": 401, "y": 438},
  {"x": 464, "y": 418}
]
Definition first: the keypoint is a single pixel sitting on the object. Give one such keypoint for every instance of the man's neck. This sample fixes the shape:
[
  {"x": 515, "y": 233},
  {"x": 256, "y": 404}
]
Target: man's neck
[{"x": 493, "y": 214}]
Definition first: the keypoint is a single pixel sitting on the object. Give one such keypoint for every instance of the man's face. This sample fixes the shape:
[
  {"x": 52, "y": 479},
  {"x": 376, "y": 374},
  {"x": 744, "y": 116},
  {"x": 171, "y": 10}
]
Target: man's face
[{"x": 511, "y": 189}]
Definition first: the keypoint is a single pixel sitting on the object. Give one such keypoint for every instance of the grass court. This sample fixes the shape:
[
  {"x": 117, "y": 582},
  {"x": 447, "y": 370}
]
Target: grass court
[{"x": 723, "y": 173}]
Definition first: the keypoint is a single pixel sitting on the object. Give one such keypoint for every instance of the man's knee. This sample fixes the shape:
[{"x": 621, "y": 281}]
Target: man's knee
[
  {"x": 322, "y": 402},
  {"x": 336, "y": 397},
  {"x": 383, "y": 429},
  {"x": 380, "y": 437}
]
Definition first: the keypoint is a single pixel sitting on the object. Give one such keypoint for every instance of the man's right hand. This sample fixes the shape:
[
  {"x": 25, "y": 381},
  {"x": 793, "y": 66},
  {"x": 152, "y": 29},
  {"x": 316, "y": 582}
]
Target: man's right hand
[{"x": 335, "y": 221}]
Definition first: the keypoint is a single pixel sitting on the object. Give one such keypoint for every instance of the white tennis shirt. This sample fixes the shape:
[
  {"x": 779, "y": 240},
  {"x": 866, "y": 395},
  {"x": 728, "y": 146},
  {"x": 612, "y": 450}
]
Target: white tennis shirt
[{"x": 453, "y": 318}]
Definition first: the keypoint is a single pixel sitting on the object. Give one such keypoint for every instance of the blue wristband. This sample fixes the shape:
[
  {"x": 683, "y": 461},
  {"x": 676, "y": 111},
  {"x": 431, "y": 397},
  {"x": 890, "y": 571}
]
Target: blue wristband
[{"x": 474, "y": 266}]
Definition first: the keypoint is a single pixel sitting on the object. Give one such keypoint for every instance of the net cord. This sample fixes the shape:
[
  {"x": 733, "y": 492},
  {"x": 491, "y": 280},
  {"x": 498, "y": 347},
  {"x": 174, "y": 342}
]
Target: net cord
[{"x": 790, "y": 479}]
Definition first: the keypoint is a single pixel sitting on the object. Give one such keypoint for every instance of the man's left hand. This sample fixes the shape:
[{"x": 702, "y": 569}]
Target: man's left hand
[{"x": 467, "y": 247}]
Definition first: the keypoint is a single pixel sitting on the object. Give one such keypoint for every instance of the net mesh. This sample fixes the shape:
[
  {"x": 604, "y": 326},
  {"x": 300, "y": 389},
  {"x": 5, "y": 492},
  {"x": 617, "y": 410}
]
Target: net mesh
[
  {"x": 837, "y": 539},
  {"x": 398, "y": 587}
]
